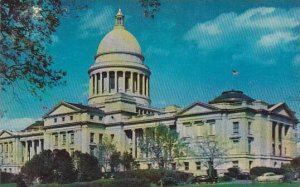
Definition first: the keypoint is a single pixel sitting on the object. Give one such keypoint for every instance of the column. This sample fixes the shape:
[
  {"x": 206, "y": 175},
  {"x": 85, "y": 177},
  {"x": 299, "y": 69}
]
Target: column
[
  {"x": 283, "y": 140},
  {"x": 132, "y": 82},
  {"x": 144, "y": 84},
  {"x": 147, "y": 87},
  {"x": 107, "y": 82},
  {"x": 276, "y": 139},
  {"x": 138, "y": 83},
  {"x": 116, "y": 81},
  {"x": 39, "y": 148},
  {"x": 91, "y": 86},
  {"x": 100, "y": 82},
  {"x": 124, "y": 81},
  {"x": 133, "y": 143},
  {"x": 141, "y": 84},
  {"x": 32, "y": 149},
  {"x": 26, "y": 153},
  {"x": 97, "y": 83}
]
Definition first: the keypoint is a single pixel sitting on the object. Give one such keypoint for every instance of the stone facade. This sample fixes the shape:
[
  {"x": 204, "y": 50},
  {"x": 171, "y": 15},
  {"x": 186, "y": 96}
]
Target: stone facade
[{"x": 259, "y": 134}]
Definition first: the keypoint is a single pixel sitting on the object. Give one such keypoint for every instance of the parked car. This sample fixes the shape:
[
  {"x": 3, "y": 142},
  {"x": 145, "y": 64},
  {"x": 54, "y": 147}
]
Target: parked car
[
  {"x": 204, "y": 179},
  {"x": 243, "y": 176},
  {"x": 270, "y": 177}
]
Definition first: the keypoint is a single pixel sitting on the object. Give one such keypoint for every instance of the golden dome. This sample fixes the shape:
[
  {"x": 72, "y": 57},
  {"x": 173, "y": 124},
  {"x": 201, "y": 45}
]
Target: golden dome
[{"x": 119, "y": 40}]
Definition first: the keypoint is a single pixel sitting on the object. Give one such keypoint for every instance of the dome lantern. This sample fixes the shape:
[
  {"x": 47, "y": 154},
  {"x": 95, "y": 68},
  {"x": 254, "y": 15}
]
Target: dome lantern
[{"x": 119, "y": 20}]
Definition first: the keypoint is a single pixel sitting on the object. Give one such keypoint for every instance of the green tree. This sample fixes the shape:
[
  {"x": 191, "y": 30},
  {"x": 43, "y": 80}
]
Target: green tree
[
  {"x": 212, "y": 153},
  {"x": 48, "y": 166},
  {"x": 26, "y": 29},
  {"x": 115, "y": 161},
  {"x": 162, "y": 145},
  {"x": 87, "y": 166},
  {"x": 105, "y": 149},
  {"x": 127, "y": 160}
]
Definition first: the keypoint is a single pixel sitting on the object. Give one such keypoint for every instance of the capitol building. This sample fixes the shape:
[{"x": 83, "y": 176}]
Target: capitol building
[{"x": 119, "y": 106}]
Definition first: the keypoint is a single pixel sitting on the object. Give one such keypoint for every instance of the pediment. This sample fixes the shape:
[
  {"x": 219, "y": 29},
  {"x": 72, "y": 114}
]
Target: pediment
[
  {"x": 198, "y": 108},
  {"x": 282, "y": 109},
  {"x": 62, "y": 108},
  {"x": 5, "y": 134}
]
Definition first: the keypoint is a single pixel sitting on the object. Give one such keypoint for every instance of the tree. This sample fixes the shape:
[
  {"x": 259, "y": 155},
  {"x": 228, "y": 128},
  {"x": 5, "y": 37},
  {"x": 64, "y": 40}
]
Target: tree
[
  {"x": 211, "y": 152},
  {"x": 127, "y": 160},
  {"x": 295, "y": 163},
  {"x": 105, "y": 149},
  {"x": 161, "y": 145},
  {"x": 48, "y": 166},
  {"x": 87, "y": 166},
  {"x": 25, "y": 33},
  {"x": 115, "y": 161}
]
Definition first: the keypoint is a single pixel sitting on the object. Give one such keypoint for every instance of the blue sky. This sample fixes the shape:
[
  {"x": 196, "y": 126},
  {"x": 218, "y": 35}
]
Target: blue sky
[{"x": 191, "y": 48}]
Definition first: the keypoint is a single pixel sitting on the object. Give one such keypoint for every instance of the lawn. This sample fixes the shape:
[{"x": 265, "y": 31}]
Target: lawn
[
  {"x": 267, "y": 184},
  {"x": 9, "y": 185}
]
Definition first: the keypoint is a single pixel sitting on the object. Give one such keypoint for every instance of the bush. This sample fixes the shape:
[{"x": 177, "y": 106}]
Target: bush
[
  {"x": 130, "y": 182},
  {"x": 258, "y": 171},
  {"x": 225, "y": 178},
  {"x": 6, "y": 177},
  {"x": 154, "y": 175},
  {"x": 233, "y": 172}
]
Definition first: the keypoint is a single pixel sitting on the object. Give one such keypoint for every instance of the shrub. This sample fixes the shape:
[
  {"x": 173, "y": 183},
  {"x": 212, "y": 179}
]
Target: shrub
[
  {"x": 258, "y": 171},
  {"x": 233, "y": 172},
  {"x": 154, "y": 175},
  {"x": 225, "y": 178},
  {"x": 6, "y": 177}
]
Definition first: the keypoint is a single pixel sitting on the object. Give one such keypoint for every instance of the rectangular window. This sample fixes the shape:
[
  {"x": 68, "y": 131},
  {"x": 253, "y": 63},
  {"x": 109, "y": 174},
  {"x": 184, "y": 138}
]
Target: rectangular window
[
  {"x": 100, "y": 118},
  {"x": 249, "y": 146},
  {"x": 186, "y": 166},
  {"x": 236, "y": 141},
  {"x": 235, "y": 164},
  {"x": 1, "y": 148},
  {"x": 91, "y": 116},
  {"x": 56, "y": 140},
  {"x": 72, "y": 151},
  {"x": 112, "y": 136},
  {"x": 64, "y": 140},
  {"x": 71, "y": 118},
  {"x": 280, "y": 150},
  {"x": 235, "y": 127},
  {"x": 92, "y": 137},
  {"x": 62, "y": 118},
  {"x": 273, "y": 149},
  {"x": 198, "y": 165},
  {"x": 249, "y": 127},
  {"x": 72, "y": 138},
  {"x": 92, "y": 151},
  {"x": 100, "y": 138},
  {"x": 55, "y": 120}
]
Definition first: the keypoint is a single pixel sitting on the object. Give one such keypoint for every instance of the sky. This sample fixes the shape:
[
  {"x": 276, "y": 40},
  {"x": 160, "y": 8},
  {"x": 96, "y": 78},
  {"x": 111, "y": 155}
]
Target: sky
[{"x": 191, "y": 47}]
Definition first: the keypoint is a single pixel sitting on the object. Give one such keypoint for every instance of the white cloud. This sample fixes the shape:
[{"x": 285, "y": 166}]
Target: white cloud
[
  {"x": 250, "y": 34},
  {"x": 296, "y": 60},
  {"x": 271, "y": 40},
  {"x": 16, "y": 123},
  {"x": 95, "y": 23}
]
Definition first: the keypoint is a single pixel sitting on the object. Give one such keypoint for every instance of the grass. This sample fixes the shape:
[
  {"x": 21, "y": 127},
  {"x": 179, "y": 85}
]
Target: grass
[
  {"x": 266, "y": 184},
  {"x": 9, "y": 185}
]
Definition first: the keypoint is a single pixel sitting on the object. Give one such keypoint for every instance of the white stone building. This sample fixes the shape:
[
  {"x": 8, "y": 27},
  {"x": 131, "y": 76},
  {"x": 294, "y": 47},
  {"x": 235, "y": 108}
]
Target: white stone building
[{"x": 259, "y": 133}]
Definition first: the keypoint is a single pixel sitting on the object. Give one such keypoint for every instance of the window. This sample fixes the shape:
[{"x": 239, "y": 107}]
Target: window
[
  {"x": 100, "y": 118},
  {"x": 211, "y": 130},
  {"x": 92, "y": 151},
  {"x": 72, "y": 151},
  {"x": 100, "y": 138},
  {"x": 64, "y": 139},
  {"x": 236, "y": 141},
  {"x": 6, "y": 148},
  {"x": 92, "y": 137},
  {"x": 280, "y": 150},
  {"x": 249, "y": 146},
  {"x": 1, "y": 148},
  {"x": 91, "y": 116},
  {"x": 56, "y": 140},
  {"x": 273, "y": 149},
  {"x": 198, "y": 165},
  {"x": 112, "y": 136},
  {"x": 235, "y": 164},
  {"x": 55, "y": 120},
  {"x": 235, "y": 127},
  {"x": 186, "y": 166},
  {"x": 249, "y": 127},
  {"x": 72, "y": 138},
  {"x": 62, "y": 118},
  {"x": 71, "y": 118}
]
